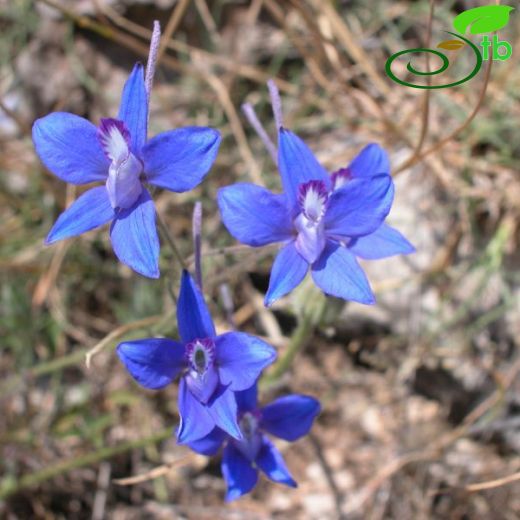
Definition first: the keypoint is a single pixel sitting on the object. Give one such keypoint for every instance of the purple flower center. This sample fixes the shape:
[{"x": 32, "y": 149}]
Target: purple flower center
[
  {"x": 123, "y": 183},
  {"x": 252, "y": 437},
  {"x": 202, "y": 376},
  {"x": 340, "y": 178},
  {"x": 312, "y": 199}
]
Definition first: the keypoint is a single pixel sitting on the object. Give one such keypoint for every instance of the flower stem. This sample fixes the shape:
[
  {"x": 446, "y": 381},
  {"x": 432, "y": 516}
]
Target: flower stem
[
  {"x": 18, "y": 382},
  {"x": 299, "y": 340},
  {"x": 197, "y": 232},
  {"x": 171, "y": 242},
  {"x": 227, "y": 303},
  {"x": 10, "y": 486}
]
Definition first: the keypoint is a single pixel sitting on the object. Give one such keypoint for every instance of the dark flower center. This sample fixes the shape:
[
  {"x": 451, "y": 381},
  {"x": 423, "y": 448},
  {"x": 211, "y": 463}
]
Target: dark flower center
[
  {"x": 200, "y": 354},
  {"x": 250, "y": 445},
  {"x": 200, "y": 360},
  {"x": 249, "y": 424}
]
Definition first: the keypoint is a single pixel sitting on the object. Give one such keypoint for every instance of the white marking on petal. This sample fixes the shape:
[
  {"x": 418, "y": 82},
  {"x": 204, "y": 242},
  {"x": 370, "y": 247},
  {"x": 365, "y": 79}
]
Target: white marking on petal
[
  {"x": 124, "y": 184},
  {"x": 312, "y": 197},
  {"x": 311, "y": 239},
  {"x": 115, "y": 139},
  {"x": 340, "y": 178}
]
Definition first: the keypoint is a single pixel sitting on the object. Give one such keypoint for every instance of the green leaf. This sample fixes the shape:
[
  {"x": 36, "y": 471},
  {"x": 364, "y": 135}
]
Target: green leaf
[
  {"x": 451, "y": 45},
  {"x": 483, "y": 19}
]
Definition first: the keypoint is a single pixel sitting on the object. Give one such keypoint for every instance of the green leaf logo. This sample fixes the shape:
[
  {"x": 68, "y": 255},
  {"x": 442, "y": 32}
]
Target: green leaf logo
[
  {"x": 483, "y": 19},
  {"x": 451, "y": 45}
]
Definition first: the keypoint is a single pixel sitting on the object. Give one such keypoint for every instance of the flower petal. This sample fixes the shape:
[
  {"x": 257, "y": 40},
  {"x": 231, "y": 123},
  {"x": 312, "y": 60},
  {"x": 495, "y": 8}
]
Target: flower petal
[
  {"x": 193, "y": 317},
  {"x": 90, "y": 210},
  {"x": 290, "y": 417},
  {"x": 223, "y": 410},
  {"x": 270, "y": 461},
  {"x": 254, "y": 215},
  {"x": 178, "y": 160},
  {"x": 241, "y": 358},
  {"x": 238, "y": 472},
  {"x": 247, "y": 399},
  {"x": 203, "y": 386},
  {"x": 210, "y": 444},
  {"x": 311, "y": 238},
  {"x": 68, "y": 146},
  {"x": 382, "y": 243},
  {"x": 134, "y": 236},
  {"x": 371, "y": 161},
  {"x": 133, "y": 109},
  {"x": 359, "y": 207},
  {"x": 152, "y": 362},
  {"x": 297, "y": 165},
  {"x": 337, "y": 273},
  {"x": 196, "y": 421},
  {"x": 288, "y": 270}
]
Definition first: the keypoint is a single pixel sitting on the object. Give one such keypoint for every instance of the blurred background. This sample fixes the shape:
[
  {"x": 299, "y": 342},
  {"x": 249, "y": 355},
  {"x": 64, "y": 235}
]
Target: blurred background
[{"x": 420, "y": 393}]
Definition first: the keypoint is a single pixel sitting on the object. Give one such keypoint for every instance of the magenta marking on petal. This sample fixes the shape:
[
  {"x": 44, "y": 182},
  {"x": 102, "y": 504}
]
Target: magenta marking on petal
[
  {"x": 114, "y": 137},
  {"x": 312, "y": 198},
  {"x": 340, "y": 177}
]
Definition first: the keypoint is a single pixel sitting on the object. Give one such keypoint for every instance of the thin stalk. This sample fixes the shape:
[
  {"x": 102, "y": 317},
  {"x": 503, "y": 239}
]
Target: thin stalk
[
  {"x": 9, "y": 486},
  {"x": 427, "y": 93},
  {"x": 24, "y": 378},
  {"x": 152, "y": 58},
  {"x": 276, "y": 103},
  {"x": 253, "y": 120},
  {"x": 171, "y": 26},
  {"x": 197, "y": 233},
  {"x": 416, "y": 157},
  {"x": 227, "y": 302},
  {"x": 299, "y": 340},
  {"x": 171, "y": 242}
]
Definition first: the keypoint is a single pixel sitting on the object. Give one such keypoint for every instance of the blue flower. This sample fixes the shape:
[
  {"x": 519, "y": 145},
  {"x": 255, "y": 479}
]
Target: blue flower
[
  {"x": 212, "y": 367},
  {"x": 118, "y": 154},
  {"x": 324, "y": 221},
  {"x": 288, "y": 418}
]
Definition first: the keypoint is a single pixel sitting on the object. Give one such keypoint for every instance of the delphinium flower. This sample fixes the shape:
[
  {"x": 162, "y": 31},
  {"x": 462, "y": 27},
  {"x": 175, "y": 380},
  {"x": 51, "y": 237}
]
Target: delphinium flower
[
  {"x": 289, "y": 418},
  {"x": 118, "y": 154},
  {"x": 212, "y": 368},
  {"x": 323, "y": 221}
]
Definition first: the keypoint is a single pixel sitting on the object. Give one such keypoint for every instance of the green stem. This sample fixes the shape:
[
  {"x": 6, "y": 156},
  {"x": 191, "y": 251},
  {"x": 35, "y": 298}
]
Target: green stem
[
  {"x": 299, "y": 340},
  {"x": 11, "y": 486},
  {"x": 171, "y": 242},
  {"x": 17, "y": 381}
]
